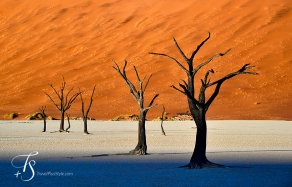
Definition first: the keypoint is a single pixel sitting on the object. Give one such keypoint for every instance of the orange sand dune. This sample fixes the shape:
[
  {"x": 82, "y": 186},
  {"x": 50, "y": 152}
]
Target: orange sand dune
[{"x": 41, "y": 41}]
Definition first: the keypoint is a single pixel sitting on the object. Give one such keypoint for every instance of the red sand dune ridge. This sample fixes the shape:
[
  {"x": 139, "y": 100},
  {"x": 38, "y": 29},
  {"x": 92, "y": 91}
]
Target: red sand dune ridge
[{"x": 42, "y": 41}]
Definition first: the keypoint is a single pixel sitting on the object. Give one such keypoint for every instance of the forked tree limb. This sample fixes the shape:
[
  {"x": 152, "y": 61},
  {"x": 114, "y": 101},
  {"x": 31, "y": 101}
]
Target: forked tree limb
[
  {"x": 230, "y": 75},
  {"x": 151, "y": 105},
  {"x": 53, "y": 101},
  {"x": 72, "y": 99},
  {"x": 57, "y": 93},
  {"x": 85, "y": 114},
  {"x": 186, "y": 92},
  {"x": 185, "y": 83},
  {"x": 91, "y": 100},
  {"x": 199, "y": 47},
  {"x": 174, "y": 87},
  {"x": 66, "y": 98},
  {"x": 209, "y": 60},
  {"x": 181, "y": 52},
  {"x": 161, "y": 54},
  {"x": 130, "y": 85},
  {"x": 42, "y": 109},
  {"x": 205, "y": 82},
  {"x": 220, "y": 82},
  {"x": 147, "y": 82}
]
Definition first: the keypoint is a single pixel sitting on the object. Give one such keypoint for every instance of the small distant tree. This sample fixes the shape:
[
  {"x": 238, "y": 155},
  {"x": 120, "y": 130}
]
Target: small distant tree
[
  {"x": 42, "y": 110},
  {"x": 65, "y": 102},
  {"x": 199, "y": 107},
  {"x": 85, "y": 113},
  {"x": 138, "y": 94}
]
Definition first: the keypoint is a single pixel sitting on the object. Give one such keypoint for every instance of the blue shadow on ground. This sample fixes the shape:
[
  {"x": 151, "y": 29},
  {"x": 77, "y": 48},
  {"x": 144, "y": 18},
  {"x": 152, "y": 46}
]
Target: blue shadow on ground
[{"x": 105, "y": 171}]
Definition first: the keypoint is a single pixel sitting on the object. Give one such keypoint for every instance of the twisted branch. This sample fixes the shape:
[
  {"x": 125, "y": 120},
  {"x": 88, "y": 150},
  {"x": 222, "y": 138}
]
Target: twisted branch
[{"x": 220, "y": 81}]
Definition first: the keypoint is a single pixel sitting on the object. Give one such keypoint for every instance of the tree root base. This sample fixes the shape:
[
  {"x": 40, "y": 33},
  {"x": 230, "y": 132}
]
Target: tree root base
[
  {"x": 139, "y": 151},
  {"x": 206, "y": 164}
]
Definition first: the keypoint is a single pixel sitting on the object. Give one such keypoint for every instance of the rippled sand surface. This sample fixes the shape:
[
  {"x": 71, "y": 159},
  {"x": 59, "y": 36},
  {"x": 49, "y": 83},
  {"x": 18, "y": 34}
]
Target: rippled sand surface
[{"x": 41, "y": 41}]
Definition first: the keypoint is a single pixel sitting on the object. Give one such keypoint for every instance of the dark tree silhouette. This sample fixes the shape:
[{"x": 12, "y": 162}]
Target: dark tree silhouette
[
  {"x": 200, "y": 106},
  {"x": 42, "y": 110},
  {"x": 68, "y": 119},
  {"x": 141, "y": 148},
  {"x": 162, "y": 119},
  {"x": 85, "y": 114},
  {"x": 65, "y": 102}
]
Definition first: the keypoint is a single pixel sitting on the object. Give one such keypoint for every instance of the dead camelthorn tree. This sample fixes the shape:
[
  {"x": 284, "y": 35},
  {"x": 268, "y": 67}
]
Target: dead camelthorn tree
[
  {"x": 42, "y": 110},
  {"x": 200, "y": 106},
  {"x": 85, "y": 114},
  {"x": 141, "y": 148},
  {"x": 65, "y": 102}
]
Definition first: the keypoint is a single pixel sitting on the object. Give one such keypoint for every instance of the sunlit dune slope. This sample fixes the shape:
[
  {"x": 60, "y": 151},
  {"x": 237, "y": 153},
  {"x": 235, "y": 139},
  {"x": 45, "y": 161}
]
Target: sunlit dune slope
[{"x": 41, "y": 41}]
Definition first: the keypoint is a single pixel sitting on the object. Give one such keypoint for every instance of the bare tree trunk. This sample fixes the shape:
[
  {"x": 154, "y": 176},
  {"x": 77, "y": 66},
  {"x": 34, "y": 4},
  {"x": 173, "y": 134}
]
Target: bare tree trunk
[
  {"x": 85, "y": 125},
  {"x": 62, "y": 121},
  {"x": 199, "y": 155},
  {"x": 141, "y": 148},
  {"x": 45, "y": 124},
  {"x": 42, "y": 110}
]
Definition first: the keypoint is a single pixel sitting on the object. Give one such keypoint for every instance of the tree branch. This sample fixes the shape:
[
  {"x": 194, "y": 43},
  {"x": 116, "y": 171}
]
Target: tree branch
[
  {"x": 186, "y": 84},
  {"x": 137, "y": 74},
  {"x": 188, "y": 94},
  {"x": 147, "y": 83},
  {"x": 130, "y": 85},
  {"x": 66, "y": 98},
  {"x": 151, "y": 103},
  {"x": 199, "y": 47},
  {"x": 55, "y": 91},
  {"x": 206, "y": 76},
  {"x": 53, "y": 101},
  {"x": 172, "y": 59},
  {"x": 174, "y": 87},
  {"x": 181, "y": 52},
  {"x": 82, "y": 102},
  {"x": 42, "y": 109},
  {"x": 209, "y": 60},
  {"x": 71, "y": 100},
  {"x": 240, "y": 71},
  {"x": 213, "y": 96},
  {"x": 91, "y": 100},
  {"x": 220, "y": 82}
]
